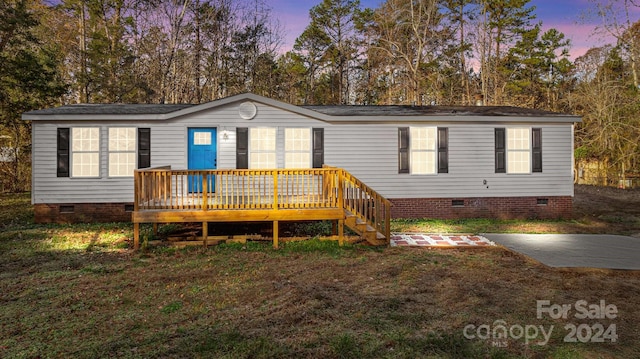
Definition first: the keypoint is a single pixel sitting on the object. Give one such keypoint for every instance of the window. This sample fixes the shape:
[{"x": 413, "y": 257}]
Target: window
[
  {"x": 202, "y": 138},
  {"x": 423, "y": 150},
  {"x": 297, "y": 147},
  {"x": 518, "y": 150},
  {"x": 122, "y": 151},
  {"x": 256, "y": 147},
  {"x": 262, "y": 148},
  {"x": 85, "y": 152}
]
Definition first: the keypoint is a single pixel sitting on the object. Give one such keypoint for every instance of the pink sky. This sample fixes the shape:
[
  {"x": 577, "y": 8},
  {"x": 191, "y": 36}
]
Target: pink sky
[{"x": 564, "y": 15}]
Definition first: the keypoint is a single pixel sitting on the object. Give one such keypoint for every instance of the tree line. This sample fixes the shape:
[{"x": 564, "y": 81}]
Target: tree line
[{"x": 413, "y": 52}]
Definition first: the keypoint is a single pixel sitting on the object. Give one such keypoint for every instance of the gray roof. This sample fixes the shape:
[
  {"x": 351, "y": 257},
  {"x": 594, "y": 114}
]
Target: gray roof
[
  {"x": 110, "y": 109},
  {"x": 402, "y": 110},
  {"x": 343, "y": 114}
]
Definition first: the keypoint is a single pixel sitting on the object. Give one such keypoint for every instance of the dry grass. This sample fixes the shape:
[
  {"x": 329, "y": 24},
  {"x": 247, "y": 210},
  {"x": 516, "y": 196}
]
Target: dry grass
[
  {"x": 596, "y": 210},
  {"x": 78, "y": 291}
]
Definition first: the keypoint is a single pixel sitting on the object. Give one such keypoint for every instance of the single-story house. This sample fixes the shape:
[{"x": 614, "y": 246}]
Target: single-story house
[{"x": 428, "y": 161}]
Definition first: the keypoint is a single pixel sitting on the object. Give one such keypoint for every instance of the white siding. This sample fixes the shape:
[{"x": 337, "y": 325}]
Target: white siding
[
  {"x": 369, "y": 151},
  {"x": 373, "y": 157}
]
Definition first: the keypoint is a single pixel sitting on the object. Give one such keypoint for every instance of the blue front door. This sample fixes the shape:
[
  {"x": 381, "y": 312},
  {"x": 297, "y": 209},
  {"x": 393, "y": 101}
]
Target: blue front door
[{"x": 202, "y": 156}]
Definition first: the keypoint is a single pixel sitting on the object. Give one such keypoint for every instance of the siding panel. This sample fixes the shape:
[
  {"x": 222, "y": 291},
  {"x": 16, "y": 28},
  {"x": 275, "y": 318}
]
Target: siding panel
[{"x": 369, "y": 151}]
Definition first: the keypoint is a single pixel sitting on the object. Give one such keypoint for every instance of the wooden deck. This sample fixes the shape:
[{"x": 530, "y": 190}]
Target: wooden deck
[{"x": 163, "y": 195}]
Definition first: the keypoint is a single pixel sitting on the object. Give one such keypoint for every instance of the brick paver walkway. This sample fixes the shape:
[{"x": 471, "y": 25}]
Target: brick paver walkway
[{"x": 438, "y": 240}]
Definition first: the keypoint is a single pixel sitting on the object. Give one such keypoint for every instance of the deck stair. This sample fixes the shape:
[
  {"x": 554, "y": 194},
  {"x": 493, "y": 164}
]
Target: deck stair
[
  {"x": 364, "y": 230},
  {"x": 366, "y": 212}
]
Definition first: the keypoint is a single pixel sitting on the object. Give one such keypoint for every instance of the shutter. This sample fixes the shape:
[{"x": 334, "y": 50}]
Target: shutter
[
  {"x": 63, "y": 152},
  {"x": 403, "y": 150},
  {"x": 501, "y": 154},
  {"x": 144, "y": 147},
  {"x": 242, "y": 148},
  {"x": 536, "y": 139},
  {"x": 318, "y": 147},
  {"x": 443, "y": 150}
]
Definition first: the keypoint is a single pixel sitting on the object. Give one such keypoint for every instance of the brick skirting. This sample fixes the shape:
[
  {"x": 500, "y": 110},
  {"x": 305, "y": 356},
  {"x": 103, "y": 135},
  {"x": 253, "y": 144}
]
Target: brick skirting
[
  {"x": 83, "y": 212},
  {"x": 483, "y": 207},
  {"x": 441, "y": 208}
]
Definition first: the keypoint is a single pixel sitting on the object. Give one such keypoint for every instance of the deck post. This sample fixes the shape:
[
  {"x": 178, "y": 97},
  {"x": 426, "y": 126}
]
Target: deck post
[
  {"x": 341, "y": 232},
  {"x": 340, "y": 184},
  {"x": 387, "y": 224},
  {"x": 275, "y": 234},
  {"x": 136, "y": 236},
  {"x": 205, "y": 233},
  {"x": 155, "y": 228}
]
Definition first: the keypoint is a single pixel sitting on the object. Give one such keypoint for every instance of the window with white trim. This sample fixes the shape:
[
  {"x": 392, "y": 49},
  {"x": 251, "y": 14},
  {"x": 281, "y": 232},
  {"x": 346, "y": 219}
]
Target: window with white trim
[
  {"x": 262, "y": 148},
  {"x": 202, "y": 138},
  {"x": 423, "y": 150},
  {"x": 297, "y": 148},
  {"x": 85, "y": 152},
  {"x": 518, "y": 150},
  {"x": 122, "y": 151}
]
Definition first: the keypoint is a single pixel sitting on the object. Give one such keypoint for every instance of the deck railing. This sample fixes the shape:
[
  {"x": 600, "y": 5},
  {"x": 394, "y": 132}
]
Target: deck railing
[
  {"x": 162, "y": 188},
  {"x": 366, "y": 204},
  {"x": 166, "y": 189}
]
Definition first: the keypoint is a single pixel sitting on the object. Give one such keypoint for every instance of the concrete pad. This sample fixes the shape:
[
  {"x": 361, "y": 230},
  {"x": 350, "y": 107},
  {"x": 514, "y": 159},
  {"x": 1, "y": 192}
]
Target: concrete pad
[{"x": 575, "y": 250}]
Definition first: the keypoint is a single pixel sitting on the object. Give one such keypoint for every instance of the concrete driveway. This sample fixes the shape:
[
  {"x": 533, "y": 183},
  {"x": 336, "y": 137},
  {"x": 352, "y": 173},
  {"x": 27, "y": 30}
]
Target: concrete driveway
[{"x": 575, "y": 250}]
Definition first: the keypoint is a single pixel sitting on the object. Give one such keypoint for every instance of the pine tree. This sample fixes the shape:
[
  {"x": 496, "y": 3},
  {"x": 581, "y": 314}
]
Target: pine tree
[{"x": 28, "y": 80}]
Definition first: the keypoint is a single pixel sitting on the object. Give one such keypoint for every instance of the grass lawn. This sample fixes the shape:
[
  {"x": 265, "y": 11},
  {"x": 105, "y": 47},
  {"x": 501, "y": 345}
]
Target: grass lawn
[{"x": 79, "y": 291}]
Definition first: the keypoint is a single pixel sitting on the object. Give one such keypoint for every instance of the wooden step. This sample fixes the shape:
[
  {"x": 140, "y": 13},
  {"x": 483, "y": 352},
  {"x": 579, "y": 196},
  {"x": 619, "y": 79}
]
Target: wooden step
[
  {"x": 351, "y": 221},
  {"x": 365, "y": 231}
]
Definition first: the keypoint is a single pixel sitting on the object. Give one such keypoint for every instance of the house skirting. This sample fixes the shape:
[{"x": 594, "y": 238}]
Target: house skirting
[
  {"x": 82, "y": 212},
  {"x": 441, "y": 208},
  {"x": 544, "y": 207}
]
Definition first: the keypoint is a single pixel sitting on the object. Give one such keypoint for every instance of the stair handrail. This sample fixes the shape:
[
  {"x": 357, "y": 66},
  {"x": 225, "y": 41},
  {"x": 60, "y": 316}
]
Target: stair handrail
[{"x": 364, "y": 202}]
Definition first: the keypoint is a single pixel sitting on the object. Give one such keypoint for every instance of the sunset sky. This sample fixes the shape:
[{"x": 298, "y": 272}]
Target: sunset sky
[{"x": 564, "y": 15}]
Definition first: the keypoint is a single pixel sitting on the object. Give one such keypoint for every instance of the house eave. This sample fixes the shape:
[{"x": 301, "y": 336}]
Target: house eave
[
  {"x": 358, "y": 120},
  {"x": 94, "y": 117}
]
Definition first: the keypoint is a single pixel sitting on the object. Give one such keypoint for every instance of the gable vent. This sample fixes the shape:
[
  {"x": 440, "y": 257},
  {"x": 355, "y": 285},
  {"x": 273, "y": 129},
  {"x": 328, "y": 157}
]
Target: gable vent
[{"x": 247, "y": 110}]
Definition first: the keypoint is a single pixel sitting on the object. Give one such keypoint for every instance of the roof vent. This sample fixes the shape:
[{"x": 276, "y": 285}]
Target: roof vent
[{"x": 247, "y": 110}]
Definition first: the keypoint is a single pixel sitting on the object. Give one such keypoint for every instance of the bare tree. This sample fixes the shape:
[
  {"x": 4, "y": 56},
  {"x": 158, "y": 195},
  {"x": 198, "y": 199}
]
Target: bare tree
[
  {"x": 410, "y": 33},
  {"x": 618, "y": 20}
]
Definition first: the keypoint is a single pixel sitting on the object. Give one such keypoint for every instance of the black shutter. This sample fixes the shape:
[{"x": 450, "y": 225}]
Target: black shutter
[
  {"x": 443, "y": 150},
  {"x": 242, "y": 148},
  {"x": 63, "y": 152},
  {"x": 318, "y": 147},
  {"x": 144, "y": 147},
  {"x": 403, "y": 150},
  {"x": 501, "y": 151},
  {"x": 536, "y": 139}
]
